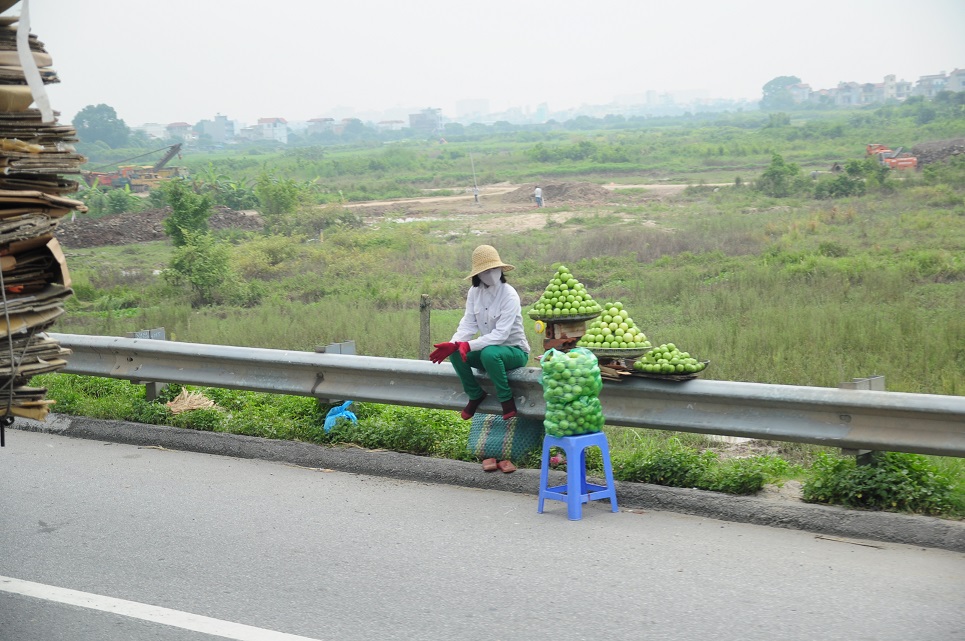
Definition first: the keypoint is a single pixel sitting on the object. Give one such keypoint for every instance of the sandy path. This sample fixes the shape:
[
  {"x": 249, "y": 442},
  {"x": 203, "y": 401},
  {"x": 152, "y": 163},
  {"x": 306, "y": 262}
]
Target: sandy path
[{"x": 497, "y": 190}]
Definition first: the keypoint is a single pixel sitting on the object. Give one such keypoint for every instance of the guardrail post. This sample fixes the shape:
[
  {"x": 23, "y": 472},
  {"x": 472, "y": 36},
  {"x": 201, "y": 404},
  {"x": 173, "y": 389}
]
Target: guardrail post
[
  {"x": 425, "y": 307},
  {"x": 875, "y": 383},
  {"x": 152, "y": 389},
  {"x": 346, "y": 347}
]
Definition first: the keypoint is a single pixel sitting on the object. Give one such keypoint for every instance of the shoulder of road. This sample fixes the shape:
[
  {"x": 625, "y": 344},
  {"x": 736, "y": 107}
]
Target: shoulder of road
[{"x": 835, "y": 521}]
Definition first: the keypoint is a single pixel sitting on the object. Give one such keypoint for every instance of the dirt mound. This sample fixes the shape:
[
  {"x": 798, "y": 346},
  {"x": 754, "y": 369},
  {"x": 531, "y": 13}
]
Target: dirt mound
[
  {"x": 141, "y": 227},
  {"x": 939, "y": 150},
  {"x": 574, "y": 192}
]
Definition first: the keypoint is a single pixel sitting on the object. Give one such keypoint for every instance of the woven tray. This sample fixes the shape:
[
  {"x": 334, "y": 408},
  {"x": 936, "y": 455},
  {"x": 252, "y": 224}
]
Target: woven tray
[
  {"x": 572, "y": 318},
  {"x": 619, "y": 353},
  {"x": 677, "y": 376}
]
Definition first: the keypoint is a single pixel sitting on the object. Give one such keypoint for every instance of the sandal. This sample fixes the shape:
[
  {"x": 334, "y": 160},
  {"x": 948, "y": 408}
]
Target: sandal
[
  {"x": 506, "y": 467},
  {"x": 490, "y": 465}
]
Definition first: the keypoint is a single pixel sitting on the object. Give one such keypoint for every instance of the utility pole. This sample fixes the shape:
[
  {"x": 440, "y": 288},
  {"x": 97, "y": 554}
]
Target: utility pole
[{"x": 475, "y": 187}]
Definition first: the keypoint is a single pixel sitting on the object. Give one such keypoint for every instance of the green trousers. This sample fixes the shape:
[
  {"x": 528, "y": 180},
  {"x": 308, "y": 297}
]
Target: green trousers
[{"x": 495, "y": 360}]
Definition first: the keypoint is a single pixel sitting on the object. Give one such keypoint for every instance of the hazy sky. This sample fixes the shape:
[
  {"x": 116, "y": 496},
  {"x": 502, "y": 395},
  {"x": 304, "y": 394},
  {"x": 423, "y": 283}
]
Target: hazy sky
[{"x": 186, "y": 60}]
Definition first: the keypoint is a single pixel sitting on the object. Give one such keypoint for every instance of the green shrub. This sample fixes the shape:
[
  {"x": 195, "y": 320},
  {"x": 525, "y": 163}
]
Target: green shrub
[
  {"x": 155, "y": 413},
  {"x": 189, "y": 211},
  {"x": 746, "y": 475},
  {"x": 832, "y": 249},
  {"x": 83, "y": 289},
  {"x": 96, "y": 200},
  {"x": 401, "y": 429},
  {"x": 677, "y": 466},
  {"x": 120, "y": 201},
  {"x": 91, "y": 396},
  {"x": 780, "y": 179},
  {"x": 893, "y": 481},
  {"x": 950, "y": 172},
  {"x": 941, "y": 196},
  {"x": 117, "y": 300},
  {"x": 203, "y": 263},
  {"x": 205, "y": 420},
  {"x": 840, "y": 186}
]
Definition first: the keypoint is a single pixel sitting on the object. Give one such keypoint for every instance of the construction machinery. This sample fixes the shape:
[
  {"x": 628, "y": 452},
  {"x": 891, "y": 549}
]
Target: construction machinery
[
  {"x": 139, "y": 178},
  {"x": 893, "y": 159}
]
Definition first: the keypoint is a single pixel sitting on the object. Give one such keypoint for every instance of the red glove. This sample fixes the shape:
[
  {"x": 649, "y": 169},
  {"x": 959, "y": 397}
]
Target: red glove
[
  {"x": 442, "y": 352},
  {"x": 463, "y": 350}
]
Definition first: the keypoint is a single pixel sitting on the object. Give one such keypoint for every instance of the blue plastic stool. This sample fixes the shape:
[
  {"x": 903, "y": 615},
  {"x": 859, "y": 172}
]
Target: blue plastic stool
[{"x": 577, "y": 491}]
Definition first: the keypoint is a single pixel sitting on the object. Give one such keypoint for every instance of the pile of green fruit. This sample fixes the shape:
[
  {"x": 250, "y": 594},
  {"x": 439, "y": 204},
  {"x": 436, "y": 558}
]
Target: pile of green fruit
[
  {"x": 613, "y": 330},
  {"x": 667, "y": 359},
  {"x": 571, "y": 386},
  {"x": 564, "y": 296}
]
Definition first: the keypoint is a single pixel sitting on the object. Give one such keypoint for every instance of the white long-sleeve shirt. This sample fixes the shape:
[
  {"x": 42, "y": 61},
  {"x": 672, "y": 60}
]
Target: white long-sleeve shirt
[{"x": 496, "y": 315}]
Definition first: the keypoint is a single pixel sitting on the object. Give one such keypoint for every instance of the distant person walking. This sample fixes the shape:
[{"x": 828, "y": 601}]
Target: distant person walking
[{"x": 538, "y": 195}]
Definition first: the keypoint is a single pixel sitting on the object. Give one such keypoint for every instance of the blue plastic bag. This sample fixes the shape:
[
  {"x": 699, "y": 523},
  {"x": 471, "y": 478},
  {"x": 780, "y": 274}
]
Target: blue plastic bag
[{"x": 339, "y": 412}]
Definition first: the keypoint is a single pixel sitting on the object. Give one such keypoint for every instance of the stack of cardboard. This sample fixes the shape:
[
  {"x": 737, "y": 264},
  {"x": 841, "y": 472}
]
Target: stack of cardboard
[{"x": 36, "y": 159}]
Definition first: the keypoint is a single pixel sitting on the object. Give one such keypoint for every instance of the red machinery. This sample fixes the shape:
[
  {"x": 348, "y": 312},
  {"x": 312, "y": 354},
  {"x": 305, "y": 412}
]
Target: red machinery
[{"x": 893, "y": 159}]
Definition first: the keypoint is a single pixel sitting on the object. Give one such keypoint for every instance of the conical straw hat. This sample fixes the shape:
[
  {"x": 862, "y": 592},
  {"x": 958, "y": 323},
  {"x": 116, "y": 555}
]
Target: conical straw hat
[{"x": 486, "y": 257}]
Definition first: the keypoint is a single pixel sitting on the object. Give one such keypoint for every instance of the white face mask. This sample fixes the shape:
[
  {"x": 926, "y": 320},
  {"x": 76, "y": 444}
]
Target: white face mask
[{"x": 491, "y": 277}]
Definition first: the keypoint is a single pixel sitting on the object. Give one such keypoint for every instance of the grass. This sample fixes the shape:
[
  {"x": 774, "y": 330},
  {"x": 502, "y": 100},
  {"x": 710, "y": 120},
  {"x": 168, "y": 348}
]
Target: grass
[
  {"x": 931, "y": 485},
  {"x": 804, "y": 293},
  {"x": 801, "y": 293},
  {"x": 774, "y": 290}
]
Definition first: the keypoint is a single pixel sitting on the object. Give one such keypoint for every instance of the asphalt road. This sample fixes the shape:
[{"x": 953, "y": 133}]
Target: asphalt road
[{"x": 104, "y": 541}]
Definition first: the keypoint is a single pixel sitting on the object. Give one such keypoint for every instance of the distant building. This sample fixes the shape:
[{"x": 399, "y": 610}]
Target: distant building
[
  {"x": 427, "y": 121},
  {"x": 956, "y": 80},
  {"x": 822, "y": 96},
  {"x": 390, "y": 125},
  {"x": 896, "y": 89},
  {"x": 248, "y": 134},
  {"x": 870, "y": 93},
  {"x": 154, "y": 130},
  {"x": 180, "y": 131},
  {"x": 273, "y": 129},
  {"x": 343, "y": 123},
  {"x": 856, "y": 94},
  {"x": 928, "y": 86},
  {"x": 847, "y": 94},
  {"x": 800, "y": 92},
  {"x": 220, "y": 130},
  {"x": 320, "y": 125}
]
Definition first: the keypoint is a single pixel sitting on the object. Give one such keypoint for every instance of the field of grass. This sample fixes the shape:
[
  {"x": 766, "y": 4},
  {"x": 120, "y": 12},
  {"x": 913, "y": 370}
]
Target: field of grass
[
  {"x": 784, "y": 291},
  {"x": 788, "y": 290}
]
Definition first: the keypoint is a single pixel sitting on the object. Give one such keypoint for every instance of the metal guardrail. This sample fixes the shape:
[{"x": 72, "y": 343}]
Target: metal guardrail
[{"x": 858, "y": 419}]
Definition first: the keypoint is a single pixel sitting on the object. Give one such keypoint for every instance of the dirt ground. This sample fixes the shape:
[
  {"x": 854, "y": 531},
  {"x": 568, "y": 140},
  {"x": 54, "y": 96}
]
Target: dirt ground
[
  {"x": 141, "y": 227},
  {"x": 507, "y": 207},
  {"x": 501, "y": 207}
]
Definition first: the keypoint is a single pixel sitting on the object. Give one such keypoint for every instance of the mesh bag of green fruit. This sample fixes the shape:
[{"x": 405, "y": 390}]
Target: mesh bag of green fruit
[{"x": 571, "y": 386}]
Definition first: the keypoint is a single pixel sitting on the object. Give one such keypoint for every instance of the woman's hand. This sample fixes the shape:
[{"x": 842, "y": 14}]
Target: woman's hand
[{"x": 443, "y": 351}]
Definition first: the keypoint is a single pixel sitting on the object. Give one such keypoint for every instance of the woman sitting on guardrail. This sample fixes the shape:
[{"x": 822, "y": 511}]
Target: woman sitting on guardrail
[{"x": 493, "y": 311}]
